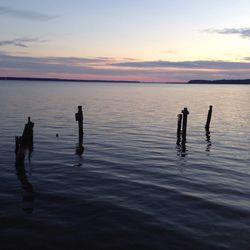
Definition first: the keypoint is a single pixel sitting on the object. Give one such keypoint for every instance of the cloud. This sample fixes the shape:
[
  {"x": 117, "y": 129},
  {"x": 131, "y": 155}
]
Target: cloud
[
  {"x": 117, "y": 69},
  {"x": 59, "y": 64},
  {"x": 185, "y": 64},
  {"x": 170, "y": 51},
  {"x": 25, "y": 14},
  {"x": 20, "y": 42},
  {"x": 243, "y": 32}
]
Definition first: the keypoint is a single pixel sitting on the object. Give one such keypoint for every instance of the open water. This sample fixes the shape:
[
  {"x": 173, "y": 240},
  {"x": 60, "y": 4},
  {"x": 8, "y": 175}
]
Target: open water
[{"x": 132, "y": 188}]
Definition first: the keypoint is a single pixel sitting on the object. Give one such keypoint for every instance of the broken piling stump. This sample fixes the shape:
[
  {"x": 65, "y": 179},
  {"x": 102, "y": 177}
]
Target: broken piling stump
[{"x": 24, "y": 142}]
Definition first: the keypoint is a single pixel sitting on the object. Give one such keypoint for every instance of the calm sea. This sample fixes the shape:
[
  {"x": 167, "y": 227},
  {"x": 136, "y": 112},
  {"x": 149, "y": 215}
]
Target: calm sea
[{"x": 132, "y": 188}]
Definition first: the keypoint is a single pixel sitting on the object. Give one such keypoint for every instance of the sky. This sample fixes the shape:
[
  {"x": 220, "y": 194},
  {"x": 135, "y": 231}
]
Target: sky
[{"x": 144, "y": 40}]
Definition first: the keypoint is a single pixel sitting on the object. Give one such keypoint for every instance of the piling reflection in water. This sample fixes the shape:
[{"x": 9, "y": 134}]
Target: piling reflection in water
[
  {"x": 79, "y": 146},
  {"x": 208, "y": 140},
  {"x": 24, "y": 145},
  {"x": 181, "y": 150},
  {"x": 29, "y": 195}
]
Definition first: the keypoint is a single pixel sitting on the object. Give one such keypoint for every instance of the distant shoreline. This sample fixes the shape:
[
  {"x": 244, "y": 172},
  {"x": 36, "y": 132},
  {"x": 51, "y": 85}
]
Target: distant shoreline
[
  {"x": 60, "y": 80},
  {"x": 223, "y": 81},
  {"x": 198, "y": 81}
]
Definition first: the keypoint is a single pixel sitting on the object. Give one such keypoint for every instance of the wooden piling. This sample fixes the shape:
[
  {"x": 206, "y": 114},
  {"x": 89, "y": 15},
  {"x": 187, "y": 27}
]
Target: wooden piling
[
  {"x": 24, "y": 142},
  {"x": 179, "y": 129},
  {"x": 209, "y": 116},
  {"x": 185, "y": 113},
  {"x": 79, "y": 118},
  {"x": 79, "y": 147},
  {"x": 27, "y": 135}
]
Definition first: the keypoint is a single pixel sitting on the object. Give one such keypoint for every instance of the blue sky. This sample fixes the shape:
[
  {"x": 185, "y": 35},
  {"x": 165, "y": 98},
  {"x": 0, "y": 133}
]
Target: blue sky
[{"x": 148, "y": 40}]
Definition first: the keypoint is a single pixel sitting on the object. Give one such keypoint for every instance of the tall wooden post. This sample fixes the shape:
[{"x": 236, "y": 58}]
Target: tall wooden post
[
  {"x": 209, "y": 116},
  {"x": 179, "y": 129},
  {"x": 185, "y": 113},
  {"x": 79, "y": 118}
]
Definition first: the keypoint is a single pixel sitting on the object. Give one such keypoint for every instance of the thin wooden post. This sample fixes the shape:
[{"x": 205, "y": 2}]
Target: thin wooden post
[
  {"x": 179, "y": 129},
  {"x": 209, "y": 116},
  {"x": 79, "y": 118},
  {"x": 185, "y": 113},
  {"x": 79, "y": 146}
]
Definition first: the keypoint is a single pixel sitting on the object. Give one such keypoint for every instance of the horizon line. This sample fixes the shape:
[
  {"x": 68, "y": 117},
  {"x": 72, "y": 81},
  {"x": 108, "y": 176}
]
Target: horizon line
[{"x": 79, "y": 80}]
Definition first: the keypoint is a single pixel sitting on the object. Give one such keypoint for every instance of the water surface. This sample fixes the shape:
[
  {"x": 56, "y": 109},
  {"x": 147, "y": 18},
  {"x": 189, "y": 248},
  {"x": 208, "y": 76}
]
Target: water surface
[{"x": 132, "y": 188}]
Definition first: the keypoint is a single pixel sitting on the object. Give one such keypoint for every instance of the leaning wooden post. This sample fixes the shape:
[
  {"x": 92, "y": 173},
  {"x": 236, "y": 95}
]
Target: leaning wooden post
[
  {"x": 179, "y": 129},
  {"x": 209, "y": 116},
  {"x": 185, "y": 113}
]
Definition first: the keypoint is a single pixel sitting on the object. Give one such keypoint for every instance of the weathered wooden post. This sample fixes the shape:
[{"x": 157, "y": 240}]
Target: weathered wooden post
[
  {"x": 79, "y": 118},
  {"x": 27, "y": 136},
  {"x": 185, "y": 113},
  {"x": 179, "y": 129},
  {"x": 25, "y": 141},
  {"x": 209, "y": 116}
]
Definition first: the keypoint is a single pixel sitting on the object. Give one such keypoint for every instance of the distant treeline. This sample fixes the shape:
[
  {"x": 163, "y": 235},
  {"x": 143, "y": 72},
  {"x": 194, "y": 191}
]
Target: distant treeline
[
  {"x": 223, "y": 81},
  {"x": 60, "y": 80}
]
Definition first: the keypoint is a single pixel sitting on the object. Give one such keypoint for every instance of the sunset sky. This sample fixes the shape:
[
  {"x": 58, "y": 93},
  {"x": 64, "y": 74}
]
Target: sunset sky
[{"x": 146, "y": 40}]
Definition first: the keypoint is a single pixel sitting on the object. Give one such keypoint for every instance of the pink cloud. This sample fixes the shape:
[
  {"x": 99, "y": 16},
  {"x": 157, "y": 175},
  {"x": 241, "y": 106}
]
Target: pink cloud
[{"x": 105, "y": 68}]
